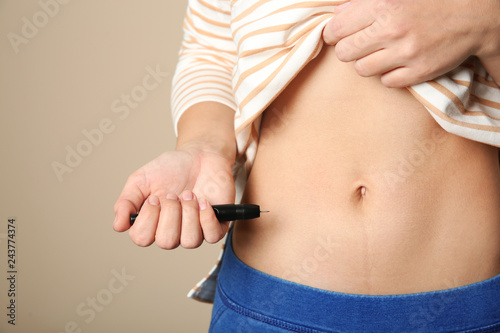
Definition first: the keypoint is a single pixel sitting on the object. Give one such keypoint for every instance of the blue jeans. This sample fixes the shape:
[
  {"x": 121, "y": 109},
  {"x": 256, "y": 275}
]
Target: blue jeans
[{"x": 248, "y": 300}]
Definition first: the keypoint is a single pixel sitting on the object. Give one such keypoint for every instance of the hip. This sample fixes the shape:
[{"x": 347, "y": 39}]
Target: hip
[{"x": 248, "y": 300}]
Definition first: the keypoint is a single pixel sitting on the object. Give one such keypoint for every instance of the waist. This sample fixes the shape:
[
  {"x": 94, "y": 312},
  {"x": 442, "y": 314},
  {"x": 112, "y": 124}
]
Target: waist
[
  {"x": 368, "y": 182},
  {"x": 281, "y": 303}
]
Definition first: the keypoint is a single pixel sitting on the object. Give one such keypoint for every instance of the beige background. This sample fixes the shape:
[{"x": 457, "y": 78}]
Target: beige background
[{"x": 60, "y": 77}]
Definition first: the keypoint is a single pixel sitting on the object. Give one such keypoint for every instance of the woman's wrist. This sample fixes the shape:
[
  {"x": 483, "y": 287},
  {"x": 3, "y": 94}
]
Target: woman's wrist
[
  {"x": 224, "y": 148},
  {"x": 208, "y": 127}
]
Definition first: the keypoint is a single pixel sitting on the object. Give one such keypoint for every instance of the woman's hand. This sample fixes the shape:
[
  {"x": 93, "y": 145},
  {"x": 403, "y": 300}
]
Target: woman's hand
[
  {"x": 173, "y": 193},
  {"x": 412, "y": 41}
]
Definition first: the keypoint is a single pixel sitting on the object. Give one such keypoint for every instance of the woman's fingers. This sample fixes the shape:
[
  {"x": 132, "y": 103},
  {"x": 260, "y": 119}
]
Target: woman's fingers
[
  {"x": 349, "y": 19},
  {"x": 172, "y": 221},
  {"x": 143, "y": 231},
  {"x": 191, "y": 233},
  {"x": 129, "y": 202},
  {"x": 168, "y": 231},
  {"x": 123, "y": 209},
  {"x": 213, "y": 230}
]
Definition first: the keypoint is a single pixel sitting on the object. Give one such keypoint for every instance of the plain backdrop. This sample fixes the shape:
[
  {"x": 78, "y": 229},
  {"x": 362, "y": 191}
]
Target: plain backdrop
[{"x": 85, "y": 101}]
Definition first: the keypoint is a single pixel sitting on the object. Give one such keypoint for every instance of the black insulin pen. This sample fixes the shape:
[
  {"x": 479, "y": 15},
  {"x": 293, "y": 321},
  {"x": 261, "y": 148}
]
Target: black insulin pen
[{"x": 229, "y": 212}]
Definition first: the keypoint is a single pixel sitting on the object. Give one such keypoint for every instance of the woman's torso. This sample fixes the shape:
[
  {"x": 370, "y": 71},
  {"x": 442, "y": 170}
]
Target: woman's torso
[{"x": 366, "y": 193}]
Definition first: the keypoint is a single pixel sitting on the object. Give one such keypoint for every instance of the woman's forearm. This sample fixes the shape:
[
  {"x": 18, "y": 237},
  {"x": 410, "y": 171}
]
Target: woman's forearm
[{"x": 209, "y": 125}]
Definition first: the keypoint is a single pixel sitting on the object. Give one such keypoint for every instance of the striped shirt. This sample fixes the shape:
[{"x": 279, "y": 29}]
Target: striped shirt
[{"x": 243, "y": 53}]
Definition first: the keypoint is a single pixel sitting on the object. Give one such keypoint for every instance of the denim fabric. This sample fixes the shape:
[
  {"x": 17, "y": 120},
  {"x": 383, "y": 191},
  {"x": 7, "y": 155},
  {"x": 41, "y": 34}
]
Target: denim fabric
[{"x": 247, "y": 300}]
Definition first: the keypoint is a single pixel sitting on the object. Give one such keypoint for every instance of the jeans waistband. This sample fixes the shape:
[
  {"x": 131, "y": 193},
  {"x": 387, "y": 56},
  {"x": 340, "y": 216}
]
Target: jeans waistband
[{"x": 470, "y": 308}]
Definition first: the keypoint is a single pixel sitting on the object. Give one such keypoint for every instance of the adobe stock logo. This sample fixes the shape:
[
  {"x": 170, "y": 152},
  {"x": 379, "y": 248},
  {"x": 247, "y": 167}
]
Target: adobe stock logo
[
  {"x": 31, "y": 27},
  {"x": 89, "y": 309}
]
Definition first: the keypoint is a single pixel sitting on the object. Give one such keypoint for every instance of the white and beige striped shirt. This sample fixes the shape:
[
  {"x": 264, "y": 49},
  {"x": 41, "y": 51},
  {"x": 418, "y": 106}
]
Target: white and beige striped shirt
[{"x": 243, "y": 53}]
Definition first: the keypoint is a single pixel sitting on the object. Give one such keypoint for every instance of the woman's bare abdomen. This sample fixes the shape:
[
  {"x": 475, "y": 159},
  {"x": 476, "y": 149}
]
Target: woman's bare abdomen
[{"x": 367, "y": 194}]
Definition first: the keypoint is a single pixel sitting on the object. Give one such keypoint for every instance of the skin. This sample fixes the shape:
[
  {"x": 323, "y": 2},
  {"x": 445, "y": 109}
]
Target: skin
[
  {"x": 412, "y": 41},
  {"x": 403, "y": 49},
  {"x": 367, "y": 193}
]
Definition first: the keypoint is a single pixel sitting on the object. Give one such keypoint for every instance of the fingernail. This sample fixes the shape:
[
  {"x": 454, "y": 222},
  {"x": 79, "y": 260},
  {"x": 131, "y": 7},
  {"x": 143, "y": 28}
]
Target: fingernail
[
  {"x": 187, "y": 195},
  {"x": 203, "y": 204},
  {"x": 153, "y": 200},
  {"x": 172, "y": 196}
]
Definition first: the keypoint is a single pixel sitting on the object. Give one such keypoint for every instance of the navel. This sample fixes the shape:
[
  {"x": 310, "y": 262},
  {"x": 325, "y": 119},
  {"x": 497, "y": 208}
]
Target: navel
[{"x": 361, "y": 192}]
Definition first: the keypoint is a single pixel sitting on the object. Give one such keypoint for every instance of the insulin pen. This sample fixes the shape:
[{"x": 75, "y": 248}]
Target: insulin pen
[{"x": 229, "y": 212}]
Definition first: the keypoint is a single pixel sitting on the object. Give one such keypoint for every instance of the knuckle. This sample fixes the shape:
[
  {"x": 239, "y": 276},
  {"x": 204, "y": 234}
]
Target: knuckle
[
  {"x": 426, "y": 69},
  {"x": 170, "y": 206},
  {"x": 141, "y": 240},
  {"x": 342, "y": 52},
  {"x": 190, "y": 242},
  {"x": 385, "y": 5},
  {"x": 335, "y": 29},
  {"x": 392, "y": 81},
  {"x": 213, "y": 238},
  {"x": 189, "y": 206},
  {"x": 167, "y": 242},
  {"x": 211, "y": 230},
  {"x": 388, "y": 28},
  {"x": 116, "y": 206},
  {"x": 411, "y": 50},
  {"x": 380, "y": 5},
  {"x": 361, "y": 68},
  {"x": 389, "y": 83},
  {"x": 393, "y": 5},
  {"x": 389, "y": 34}
]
